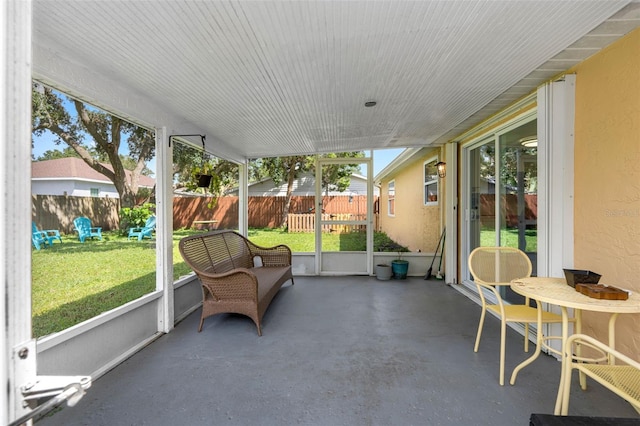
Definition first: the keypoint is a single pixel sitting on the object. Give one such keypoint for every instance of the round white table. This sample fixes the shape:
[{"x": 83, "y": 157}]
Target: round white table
[{"x": 556, "y": 291}]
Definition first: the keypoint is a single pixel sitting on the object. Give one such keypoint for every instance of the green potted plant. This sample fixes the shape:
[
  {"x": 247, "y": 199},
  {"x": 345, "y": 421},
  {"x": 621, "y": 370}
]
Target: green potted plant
[
  {"x": 203, "y": 176},
  {"x": 400, "y": 267},
  {"x": 204, "y": 179}
]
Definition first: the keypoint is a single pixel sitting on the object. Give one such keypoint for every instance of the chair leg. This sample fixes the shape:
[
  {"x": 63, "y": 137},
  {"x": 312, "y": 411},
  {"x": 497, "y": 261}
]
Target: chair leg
[
  {"x": 526, "y": 337},
  {"x": 200, "y": 327},
  {"x": 480, "y": 325},
  {"x": 503, "y": 341}
]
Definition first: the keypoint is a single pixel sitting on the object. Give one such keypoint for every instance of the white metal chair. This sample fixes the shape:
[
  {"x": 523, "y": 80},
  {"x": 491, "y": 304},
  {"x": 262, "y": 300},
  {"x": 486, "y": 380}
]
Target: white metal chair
[
  {"x": 492, "y": 267},
  {"x": 621, "y": 379}
]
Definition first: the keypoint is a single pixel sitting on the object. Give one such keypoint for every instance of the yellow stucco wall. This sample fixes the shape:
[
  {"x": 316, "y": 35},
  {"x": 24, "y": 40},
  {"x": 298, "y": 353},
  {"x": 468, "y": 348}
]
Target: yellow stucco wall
[
  {"x": 607, "y": 183},
  {"x": 607, "y": 177},
  {"x": 414, "y": 225}
]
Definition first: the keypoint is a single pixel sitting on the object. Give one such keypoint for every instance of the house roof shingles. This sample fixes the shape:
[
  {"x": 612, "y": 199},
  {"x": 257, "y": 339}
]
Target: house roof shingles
[{"x": 76, "y": 168}]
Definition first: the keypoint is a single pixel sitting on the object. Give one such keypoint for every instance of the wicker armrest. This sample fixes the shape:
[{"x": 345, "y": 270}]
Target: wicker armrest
[
  {"x": 279, "y": 255},
  {"x": 238, "y": 284}
]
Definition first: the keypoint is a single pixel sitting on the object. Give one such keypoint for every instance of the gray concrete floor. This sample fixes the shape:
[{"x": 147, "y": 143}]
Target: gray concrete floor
[{"x": 335, "y": 351}]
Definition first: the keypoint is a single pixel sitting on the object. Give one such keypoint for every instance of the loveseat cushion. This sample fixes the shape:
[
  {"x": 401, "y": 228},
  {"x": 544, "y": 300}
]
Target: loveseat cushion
[{"x": 268, "y": 278}]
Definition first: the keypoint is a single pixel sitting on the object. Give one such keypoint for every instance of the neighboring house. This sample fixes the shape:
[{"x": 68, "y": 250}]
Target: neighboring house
[
  {"x": 410, "y": 201},
  {"x": 73, "y": 177},
  {"x": 304, "y": 186}
]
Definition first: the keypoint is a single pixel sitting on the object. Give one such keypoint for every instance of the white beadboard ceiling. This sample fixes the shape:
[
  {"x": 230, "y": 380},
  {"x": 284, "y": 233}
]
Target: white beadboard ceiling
[{"x": 273, "y": 78}]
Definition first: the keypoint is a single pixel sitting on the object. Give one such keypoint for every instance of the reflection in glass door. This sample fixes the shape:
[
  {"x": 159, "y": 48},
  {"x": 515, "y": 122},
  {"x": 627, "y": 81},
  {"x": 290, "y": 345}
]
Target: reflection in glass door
[
  {"x": 502, "y": 192},
  {"x": 481, "y": 212},
  {"x": 519, "y": 188}
]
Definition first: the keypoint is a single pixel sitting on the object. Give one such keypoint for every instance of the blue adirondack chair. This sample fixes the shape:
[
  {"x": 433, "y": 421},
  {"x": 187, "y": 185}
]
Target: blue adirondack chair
[
  {"x": 43, "y": 238},
  {"x": 85, "y": 230},
  {"x": 144, "y": 231}
]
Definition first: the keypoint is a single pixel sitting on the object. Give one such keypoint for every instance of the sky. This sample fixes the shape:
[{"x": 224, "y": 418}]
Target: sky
[{"x": 382, "y": 157}]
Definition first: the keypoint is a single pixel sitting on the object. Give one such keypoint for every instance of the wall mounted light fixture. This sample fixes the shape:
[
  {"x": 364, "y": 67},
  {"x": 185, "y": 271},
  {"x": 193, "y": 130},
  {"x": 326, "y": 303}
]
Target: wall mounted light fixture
[{"x": 442, "y": 169}]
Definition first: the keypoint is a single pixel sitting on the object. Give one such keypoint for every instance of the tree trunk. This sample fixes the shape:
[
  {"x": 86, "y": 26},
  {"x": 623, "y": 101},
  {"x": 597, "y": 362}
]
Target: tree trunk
[
  {"x": 49, "y": 113},
  {"x": 285, "y": 211},
  {"x": 127, "y": 189}
]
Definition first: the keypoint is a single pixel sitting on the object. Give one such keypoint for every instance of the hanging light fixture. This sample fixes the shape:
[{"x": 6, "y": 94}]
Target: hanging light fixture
[
  {"x": 529, "y": 142},
  {"x": 442, "y": 169}
]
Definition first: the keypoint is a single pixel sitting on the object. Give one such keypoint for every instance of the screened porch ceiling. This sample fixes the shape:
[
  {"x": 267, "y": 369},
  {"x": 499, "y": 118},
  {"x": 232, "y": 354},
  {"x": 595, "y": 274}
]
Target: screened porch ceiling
[{"x": 275, "y": 78}]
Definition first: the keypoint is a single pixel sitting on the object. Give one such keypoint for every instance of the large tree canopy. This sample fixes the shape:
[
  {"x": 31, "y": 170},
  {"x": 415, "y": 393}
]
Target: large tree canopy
[
  {"x": 97, "y": 137},
  {"x": 55, "y": 154},
  {"x": 337, "y": 177},
  {"x": 508, "y": 158},
  {"x": 107, "y": 134}
]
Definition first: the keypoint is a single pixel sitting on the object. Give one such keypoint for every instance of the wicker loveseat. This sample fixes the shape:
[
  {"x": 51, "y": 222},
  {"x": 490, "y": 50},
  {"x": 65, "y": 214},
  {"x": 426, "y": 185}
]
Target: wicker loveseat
[{"x": 237, "y": 276}]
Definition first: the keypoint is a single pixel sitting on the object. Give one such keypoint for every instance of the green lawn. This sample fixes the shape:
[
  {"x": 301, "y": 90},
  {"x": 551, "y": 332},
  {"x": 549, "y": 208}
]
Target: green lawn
[
  {"x": 72, "y": 282},
  {"x": 305, "y": 242},
  {"x": 509, "y": 238}
]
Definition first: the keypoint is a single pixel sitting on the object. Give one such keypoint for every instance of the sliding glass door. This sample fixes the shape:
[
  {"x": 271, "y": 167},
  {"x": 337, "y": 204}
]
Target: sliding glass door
[{"x": 500, "y": 187}]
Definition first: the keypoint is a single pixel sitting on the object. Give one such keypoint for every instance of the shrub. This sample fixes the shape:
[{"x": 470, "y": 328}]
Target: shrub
[
  {"x": 382, "y": 243},
  {"x": 136, "y": 216}
]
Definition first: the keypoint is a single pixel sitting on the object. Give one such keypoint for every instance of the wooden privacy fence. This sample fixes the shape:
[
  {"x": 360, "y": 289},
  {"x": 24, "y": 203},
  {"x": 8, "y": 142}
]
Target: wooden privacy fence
[
  {"x": 263, "y": 212},
  {"x": 509, "y": 210},
  {"x": 58, "y": 212},
  {"x": 187, "y": 209}
]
